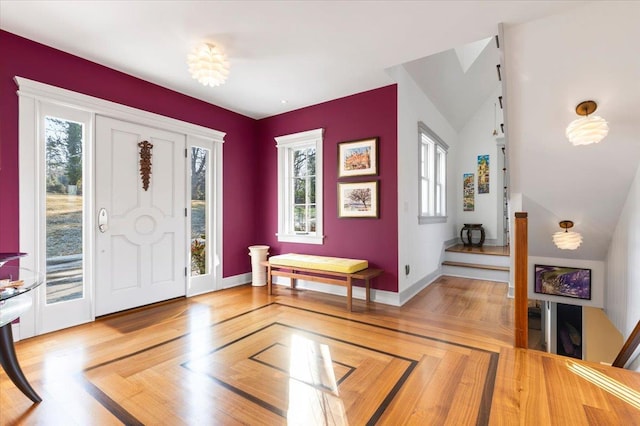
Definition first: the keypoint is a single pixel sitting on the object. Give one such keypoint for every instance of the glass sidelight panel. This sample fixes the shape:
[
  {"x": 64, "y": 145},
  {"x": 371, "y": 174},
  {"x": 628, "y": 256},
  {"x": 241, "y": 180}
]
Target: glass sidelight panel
[
  {"x": 199, "y": 210},
  {"x": 64, "y": 209}
]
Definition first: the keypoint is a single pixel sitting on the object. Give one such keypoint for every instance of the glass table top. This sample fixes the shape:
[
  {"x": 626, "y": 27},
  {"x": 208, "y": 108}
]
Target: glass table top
[
  {"x": 15, "y": 281},
  {"x": 5, "y": 257}
]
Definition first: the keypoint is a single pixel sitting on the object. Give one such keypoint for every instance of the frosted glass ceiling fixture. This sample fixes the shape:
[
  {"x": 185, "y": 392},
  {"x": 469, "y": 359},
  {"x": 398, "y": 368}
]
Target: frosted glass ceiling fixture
[
  {"x": 567, "y": 240},
  {"x": 208, "y": 64},
  {"x": 587, "y": 129}
]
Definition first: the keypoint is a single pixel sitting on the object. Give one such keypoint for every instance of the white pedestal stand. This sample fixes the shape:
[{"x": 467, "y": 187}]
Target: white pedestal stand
[{"x": 259, "y": 273}]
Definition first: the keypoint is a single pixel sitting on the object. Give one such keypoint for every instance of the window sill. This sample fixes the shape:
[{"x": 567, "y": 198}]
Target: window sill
[
  {"x": 425, "y": 220},
  {"x": 301, "y": 239}
]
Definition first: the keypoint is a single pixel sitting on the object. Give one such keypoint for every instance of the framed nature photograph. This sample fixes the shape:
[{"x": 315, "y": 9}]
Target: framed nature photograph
[
  {"x": 358, "y": 158},
  {"x": 358, "y": 199},
  {"x": 563, "y": 281}
]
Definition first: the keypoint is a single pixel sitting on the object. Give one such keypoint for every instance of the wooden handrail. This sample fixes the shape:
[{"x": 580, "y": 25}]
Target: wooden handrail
[
  {"x": 628, "y": 348},
  {"x": 520, "y": 276}
]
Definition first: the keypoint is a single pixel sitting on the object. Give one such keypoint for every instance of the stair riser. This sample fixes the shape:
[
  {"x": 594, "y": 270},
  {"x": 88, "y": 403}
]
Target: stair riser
[
  {"x": 479, "y": 274},
  {"x": 481, "y": 259}
]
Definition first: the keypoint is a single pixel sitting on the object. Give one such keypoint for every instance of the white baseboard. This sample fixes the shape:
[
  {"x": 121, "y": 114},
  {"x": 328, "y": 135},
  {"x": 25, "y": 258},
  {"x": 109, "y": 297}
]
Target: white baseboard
[
  {"x": 415, "y": 288},
  {"x": 378, "y": 296},
  {"x": 15, "y": 330},
  {"x": 385, "y": 297},
  {"x": 236, "y": 280},
  {"x": 492, "y": 242},
  {"x": 451, "y": 242}
]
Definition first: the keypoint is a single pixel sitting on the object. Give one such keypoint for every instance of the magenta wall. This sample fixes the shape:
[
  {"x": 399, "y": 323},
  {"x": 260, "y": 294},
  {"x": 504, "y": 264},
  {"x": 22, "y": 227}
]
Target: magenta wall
[
  {"x": 248, "y": 143},
  {"x": 24, "y": 58},
  {"x": 368, "y": 114}
]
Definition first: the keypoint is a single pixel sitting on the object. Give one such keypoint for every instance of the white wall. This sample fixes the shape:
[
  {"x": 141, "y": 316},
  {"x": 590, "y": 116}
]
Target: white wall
[
  {"x": 552, "y": 64},
  {"x": 475, "y": 139},
  {"x": 419, "y": 246},
  {"x": 597, "y": 280},
  {"x": 622, "y": 301}
]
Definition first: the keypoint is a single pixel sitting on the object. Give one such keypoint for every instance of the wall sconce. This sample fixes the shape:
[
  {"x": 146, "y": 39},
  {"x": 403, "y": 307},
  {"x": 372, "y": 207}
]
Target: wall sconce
[
  {"x": 587, "y": 129},
  {"x": 567, "y": 240},
  {"x": 208, "y": 64}
]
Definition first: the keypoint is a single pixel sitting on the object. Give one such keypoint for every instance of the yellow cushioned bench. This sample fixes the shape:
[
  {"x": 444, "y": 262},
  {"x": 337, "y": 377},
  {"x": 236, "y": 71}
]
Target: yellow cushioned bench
[
  {"x": 324, "y": 263},
  {"x": 324, "y": 269}
]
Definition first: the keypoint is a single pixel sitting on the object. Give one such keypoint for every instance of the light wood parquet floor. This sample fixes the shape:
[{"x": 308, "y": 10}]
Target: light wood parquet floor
[{"x": 239, "y": 356}]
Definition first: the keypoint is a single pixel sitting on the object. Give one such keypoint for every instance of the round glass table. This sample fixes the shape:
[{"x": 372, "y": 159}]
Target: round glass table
[{"x": 15, "y": 285}]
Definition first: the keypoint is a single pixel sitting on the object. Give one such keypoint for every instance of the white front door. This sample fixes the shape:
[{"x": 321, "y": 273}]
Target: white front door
[{"x": 141, "y": 246}]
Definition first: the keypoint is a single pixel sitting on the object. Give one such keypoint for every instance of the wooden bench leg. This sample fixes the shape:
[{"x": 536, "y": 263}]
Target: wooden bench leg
[
  {"x": 368, "y": 290},
  {"x": 293, "y": 280},
  {"x": 349, "y": 294},
  {"x": 269, "y": 288}
]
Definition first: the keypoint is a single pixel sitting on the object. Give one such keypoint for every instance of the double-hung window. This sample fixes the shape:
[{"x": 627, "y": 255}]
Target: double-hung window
[
  {"x": 300, "y": 187},
  {"x": 432, "y": 195}
]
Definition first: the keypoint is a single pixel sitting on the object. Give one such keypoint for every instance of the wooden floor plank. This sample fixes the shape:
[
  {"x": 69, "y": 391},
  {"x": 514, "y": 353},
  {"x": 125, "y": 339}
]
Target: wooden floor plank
[
  {"x": 240, "y": 356},
  {"x": 538, "y": 388}
]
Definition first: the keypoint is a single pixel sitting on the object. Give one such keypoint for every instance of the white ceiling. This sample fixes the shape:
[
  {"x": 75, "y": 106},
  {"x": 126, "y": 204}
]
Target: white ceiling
[
  {"x": 304, "y": 52},
  {"x": 457, "y": 93}
]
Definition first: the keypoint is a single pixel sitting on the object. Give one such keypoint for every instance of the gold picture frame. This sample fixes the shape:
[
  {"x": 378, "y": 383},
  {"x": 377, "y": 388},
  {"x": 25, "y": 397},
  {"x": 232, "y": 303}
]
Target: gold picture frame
[
  {"x": 358, "y": 158},
  {"x": 358, "y": 199}
]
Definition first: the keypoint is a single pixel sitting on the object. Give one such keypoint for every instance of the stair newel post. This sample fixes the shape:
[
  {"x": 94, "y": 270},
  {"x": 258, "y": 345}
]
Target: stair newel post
[{"x": 520, "y": 275}]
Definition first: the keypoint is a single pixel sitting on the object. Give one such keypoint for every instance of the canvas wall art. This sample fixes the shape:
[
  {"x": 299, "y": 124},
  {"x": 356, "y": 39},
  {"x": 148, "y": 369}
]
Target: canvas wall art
[
  {"x": 563, "y": 281},
  {"x": 483, "y": 174},
  {"x": 468, "y": 192}
]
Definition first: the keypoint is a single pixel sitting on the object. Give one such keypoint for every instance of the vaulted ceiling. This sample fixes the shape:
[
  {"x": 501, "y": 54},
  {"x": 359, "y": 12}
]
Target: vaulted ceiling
[{"x": 459, "y": 80}]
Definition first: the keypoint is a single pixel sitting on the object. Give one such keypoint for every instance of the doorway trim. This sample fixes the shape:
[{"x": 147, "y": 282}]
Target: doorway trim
[{"x": 31, "y": 95}]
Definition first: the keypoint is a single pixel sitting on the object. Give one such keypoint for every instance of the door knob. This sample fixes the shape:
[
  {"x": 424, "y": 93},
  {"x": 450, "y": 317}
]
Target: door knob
[{"x": 103, "y": 221}]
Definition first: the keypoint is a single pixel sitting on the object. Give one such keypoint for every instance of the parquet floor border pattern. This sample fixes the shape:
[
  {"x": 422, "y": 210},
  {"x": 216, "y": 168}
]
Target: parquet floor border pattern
[{"x": 376, "y": 414}]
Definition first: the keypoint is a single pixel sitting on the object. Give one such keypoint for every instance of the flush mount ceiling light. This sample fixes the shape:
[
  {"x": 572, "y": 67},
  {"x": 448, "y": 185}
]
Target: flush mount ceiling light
[
  {"x": 587, "y": 129},
  {"x": 567, "y": 240},
  {"x": 208, "y": 64}
]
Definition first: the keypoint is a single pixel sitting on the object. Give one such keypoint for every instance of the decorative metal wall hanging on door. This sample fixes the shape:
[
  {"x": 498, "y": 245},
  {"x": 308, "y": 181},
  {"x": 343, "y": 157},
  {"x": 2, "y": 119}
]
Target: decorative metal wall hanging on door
[{"x": 145, "y": 163}]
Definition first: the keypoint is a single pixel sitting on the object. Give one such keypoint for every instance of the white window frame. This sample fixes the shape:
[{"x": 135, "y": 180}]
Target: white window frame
[
  {"x": 285, "y": 145},
  {"x": 432, "y": 176}
]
